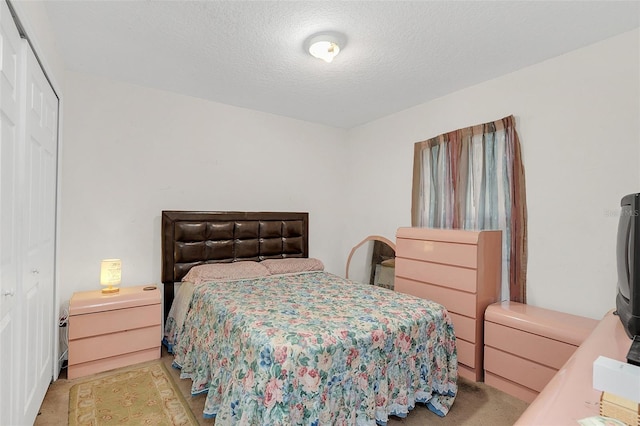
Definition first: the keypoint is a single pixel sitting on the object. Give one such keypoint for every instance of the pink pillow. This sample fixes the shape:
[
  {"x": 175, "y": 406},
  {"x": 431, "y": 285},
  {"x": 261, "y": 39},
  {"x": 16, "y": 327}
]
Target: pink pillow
[
  {"x": 225, "y": 271},
  {"x": 292, "y": 265}
]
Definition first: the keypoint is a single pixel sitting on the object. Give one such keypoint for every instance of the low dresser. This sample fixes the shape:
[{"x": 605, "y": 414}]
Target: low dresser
[{"x": 108, "y": 331}]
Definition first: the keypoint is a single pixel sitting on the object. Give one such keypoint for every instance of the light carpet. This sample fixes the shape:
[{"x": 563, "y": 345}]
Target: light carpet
[{"x": 144, "y": 394}]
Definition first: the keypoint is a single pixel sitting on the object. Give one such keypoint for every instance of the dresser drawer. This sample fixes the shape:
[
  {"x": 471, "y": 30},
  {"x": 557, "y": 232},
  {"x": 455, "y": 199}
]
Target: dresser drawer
[
  {"x": 94, "y": 324},
  {"x": 465, "y": 255},
  {"x": 464, "y": 327},
  {"x": 107, "y": 345},
  {"x": 542, "y": 350},
  {"x": 507, "y": 386},
  {"x": 559, "y": 326},
  {"x": 466, "y": 353},
  {"x": 455, "y": 277},
  {"x": 468, "y": 373},
  {"x": 519, "y": 370},
  {"x": 104, "y": 364},
  {"x": 455, "y": 301}
]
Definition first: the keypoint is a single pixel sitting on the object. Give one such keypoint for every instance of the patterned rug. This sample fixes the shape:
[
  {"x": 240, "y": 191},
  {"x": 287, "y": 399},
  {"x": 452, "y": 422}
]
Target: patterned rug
[{"x": 133, "y": 396}]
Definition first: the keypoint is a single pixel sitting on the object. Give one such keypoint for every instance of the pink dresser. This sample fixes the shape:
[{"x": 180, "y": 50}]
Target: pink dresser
[
  {"x": 570, "y": 395},
  {"x": 525, "y": 346},
  {"x": 111, "y": 331},
  {"x": 458, "y": 269}
]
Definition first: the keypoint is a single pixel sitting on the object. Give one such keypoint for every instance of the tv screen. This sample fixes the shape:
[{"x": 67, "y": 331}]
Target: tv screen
[{"x": 628, "y": 264}]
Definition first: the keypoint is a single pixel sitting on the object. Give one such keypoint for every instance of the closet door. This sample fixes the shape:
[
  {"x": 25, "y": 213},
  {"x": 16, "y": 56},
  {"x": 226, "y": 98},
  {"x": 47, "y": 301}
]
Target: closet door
[
  {"x": 38, "y": 236},
  {"x": 28, "y": 159},
  {"x": 11, "y": 84}
]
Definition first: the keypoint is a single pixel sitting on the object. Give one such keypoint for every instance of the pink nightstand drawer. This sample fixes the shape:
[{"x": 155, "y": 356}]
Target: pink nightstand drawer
[
  {"x": 113, "y": 321},
  {"x": 106, "y": 364},
  {"x": 108, "y": 345},
  {"x": 86, "y": 302}
]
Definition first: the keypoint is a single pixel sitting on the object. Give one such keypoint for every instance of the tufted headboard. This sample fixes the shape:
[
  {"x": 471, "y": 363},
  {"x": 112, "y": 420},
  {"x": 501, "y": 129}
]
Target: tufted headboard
[{"x": 191, "y": 238}]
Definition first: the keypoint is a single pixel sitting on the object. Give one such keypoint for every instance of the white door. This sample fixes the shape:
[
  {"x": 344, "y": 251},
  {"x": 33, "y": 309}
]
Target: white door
[
  {"x": 11, "y": 84},
  {"x": 38, "y": 236}
]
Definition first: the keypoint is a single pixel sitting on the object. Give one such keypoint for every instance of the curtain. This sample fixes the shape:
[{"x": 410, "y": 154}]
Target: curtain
[{"x": 473, "y": 179}]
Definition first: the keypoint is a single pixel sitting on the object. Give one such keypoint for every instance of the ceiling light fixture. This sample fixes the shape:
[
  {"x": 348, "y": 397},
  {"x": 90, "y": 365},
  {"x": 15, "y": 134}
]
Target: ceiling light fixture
[{"x": 324, "y": 46}]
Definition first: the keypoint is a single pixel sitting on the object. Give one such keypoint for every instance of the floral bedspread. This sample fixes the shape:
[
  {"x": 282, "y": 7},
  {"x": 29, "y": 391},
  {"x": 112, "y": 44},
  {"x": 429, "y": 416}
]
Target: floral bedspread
[{"x": 315, "y": 349}]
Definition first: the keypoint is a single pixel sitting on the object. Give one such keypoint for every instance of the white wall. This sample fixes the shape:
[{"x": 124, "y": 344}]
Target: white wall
[
  {"x": 578, "y": 120},
  {"x": 577, "y": 116},
  {"x": 131, "y": 152}
]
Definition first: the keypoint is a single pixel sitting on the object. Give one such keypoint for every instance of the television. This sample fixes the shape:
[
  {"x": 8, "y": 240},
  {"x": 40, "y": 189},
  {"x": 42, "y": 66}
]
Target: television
[{"x": 628, "y": 260}]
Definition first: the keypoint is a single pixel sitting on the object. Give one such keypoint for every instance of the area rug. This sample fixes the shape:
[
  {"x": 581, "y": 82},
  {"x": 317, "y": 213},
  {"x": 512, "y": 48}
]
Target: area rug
[{"x": 145, "y": 394}]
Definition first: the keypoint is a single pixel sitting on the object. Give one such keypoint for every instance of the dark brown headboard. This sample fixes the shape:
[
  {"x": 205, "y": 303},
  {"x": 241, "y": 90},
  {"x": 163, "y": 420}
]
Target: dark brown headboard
[{"x": 192, "y": 238}]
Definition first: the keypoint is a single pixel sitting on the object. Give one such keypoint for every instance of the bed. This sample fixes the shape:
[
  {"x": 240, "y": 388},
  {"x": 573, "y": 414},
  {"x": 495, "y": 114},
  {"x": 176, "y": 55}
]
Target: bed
[{"x": 294, "y": 344}]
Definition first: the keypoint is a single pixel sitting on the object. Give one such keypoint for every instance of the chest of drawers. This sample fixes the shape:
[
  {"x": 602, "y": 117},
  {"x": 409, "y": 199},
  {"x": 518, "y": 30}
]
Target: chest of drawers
[
  {"x": 459, "y": 269},
  {"x": 115, "y": 330},
  {"x": 525, "y": 346}
]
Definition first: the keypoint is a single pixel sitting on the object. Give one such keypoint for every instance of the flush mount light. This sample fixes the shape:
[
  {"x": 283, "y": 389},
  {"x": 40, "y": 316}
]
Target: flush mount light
[{"x": 324, "y": 46}]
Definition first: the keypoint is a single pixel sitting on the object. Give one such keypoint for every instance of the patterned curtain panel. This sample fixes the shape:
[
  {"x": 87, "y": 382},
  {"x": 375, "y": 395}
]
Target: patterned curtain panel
[{"x": 473, "y": 179}]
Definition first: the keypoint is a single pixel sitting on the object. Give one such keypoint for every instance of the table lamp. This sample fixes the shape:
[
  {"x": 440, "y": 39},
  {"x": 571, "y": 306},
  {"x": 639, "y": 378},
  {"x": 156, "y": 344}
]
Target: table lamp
[{"x": 110, "y": 275}]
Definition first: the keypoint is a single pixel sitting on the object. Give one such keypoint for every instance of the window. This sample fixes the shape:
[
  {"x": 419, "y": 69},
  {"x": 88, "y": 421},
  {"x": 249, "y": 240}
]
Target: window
[{"x": 473, "y": 179}]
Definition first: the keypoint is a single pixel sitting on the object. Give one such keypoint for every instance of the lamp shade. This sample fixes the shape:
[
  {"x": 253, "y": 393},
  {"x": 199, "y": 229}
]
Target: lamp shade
[{"x": 110, "y": 274}]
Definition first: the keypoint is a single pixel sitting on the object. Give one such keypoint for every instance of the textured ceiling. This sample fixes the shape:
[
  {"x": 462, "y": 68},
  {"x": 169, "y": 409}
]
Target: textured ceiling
[{"x": 397, "y": 54}]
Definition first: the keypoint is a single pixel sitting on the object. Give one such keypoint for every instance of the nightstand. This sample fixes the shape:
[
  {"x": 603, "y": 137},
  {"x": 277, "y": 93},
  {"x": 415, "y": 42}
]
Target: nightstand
[{"x": 108, "y": 331}]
